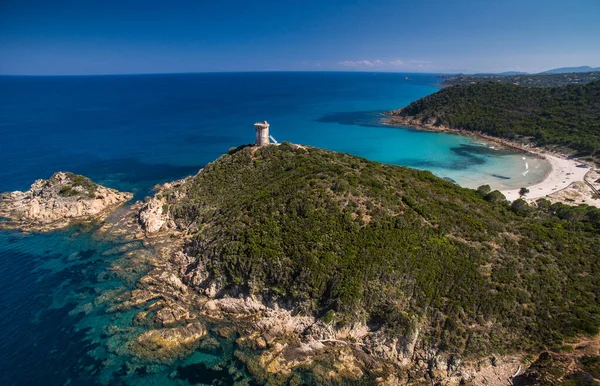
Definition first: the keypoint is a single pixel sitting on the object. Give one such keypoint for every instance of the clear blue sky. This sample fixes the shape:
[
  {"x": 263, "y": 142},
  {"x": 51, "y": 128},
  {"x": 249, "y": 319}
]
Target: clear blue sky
[{"x": 105, "y": 37}]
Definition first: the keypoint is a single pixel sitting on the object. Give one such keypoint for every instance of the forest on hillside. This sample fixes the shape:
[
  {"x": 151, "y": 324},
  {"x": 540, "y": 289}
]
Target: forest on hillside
[
  {"x": 566, "y": 116},
  {"x": 349, "y": 240}
]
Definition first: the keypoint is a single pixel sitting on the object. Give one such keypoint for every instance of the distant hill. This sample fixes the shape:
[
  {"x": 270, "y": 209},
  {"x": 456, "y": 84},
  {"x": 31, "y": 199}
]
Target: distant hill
[
  {"x": 531, "y": 80},
  {"x": 559, "y": 116},
  {"x": 568, "y": 70},
  {"x": 507, "y": 73}
]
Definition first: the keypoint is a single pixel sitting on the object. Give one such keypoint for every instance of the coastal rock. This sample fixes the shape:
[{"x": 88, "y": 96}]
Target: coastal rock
[
  {"x": 328, "y": 365},
  {"x": 57, "y": 202},
  {"x": 236, "y": 308},
  {"x": 168, "y": 344},
  {"x": 398, "y": 349},
  {"x": 154, "y": 214},
  {"x": 277, "y": 324}
]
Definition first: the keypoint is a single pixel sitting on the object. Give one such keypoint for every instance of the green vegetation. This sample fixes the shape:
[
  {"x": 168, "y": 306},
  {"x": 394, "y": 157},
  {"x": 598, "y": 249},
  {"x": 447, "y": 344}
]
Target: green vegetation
[
  {"x": 484, "y": 190},
  {"x": 536, "y": 80},
  {"x": 348, "y": 239},
  {"x": 495, "y": 196},
  {"x": 78, "y": 185},
  {"x": 561, "y": 116},
  {"x": 591, "y": 364},
  {"x": 560, "y": 370}
]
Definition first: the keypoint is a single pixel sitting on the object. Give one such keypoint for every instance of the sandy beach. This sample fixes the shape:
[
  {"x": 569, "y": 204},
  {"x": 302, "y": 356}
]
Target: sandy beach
[
  {"x": 565, "y": 182},
  {"x": 564, "y": 172}
]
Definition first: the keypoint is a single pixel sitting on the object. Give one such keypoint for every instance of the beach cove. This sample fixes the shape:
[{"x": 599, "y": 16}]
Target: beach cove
[{"x": 562, "y": 179}]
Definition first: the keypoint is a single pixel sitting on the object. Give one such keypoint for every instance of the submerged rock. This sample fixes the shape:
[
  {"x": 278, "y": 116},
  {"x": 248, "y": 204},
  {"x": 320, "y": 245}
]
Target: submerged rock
[
  {"x": 165, "y": 345},
  {"x": 57, "y": 202}
]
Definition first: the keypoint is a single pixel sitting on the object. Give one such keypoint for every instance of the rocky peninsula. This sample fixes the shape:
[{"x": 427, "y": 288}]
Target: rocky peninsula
[
  {"x": 56, "y": 203},
  {"x": 323, "y": 268},
  {"x": 315, "y": 267}
]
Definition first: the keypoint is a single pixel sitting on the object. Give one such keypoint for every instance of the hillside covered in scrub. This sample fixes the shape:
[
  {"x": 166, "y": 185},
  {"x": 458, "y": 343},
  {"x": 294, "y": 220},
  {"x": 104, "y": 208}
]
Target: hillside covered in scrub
[
  {"x": 350, "y": 240},
  {"x": 566, "y": 116}
]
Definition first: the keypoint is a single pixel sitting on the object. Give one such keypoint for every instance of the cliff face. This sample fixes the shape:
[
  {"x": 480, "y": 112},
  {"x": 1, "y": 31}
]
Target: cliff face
[
  {"x": 57, "y": 202},
  {"x": 346, "y": 269},
  {"x": 154, "y": 215}
]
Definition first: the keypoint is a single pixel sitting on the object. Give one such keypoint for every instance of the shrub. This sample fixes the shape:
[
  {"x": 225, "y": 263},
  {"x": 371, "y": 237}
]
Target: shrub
[
  {"x": 496, "y": 197},
  {"x": 484, "y": 190},
  {"x": 520, "y": 207},
  {"x": 543, "y": 204}
]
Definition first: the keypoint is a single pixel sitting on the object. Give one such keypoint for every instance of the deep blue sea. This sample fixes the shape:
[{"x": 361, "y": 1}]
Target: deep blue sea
[{"x": 132, "y": 132}]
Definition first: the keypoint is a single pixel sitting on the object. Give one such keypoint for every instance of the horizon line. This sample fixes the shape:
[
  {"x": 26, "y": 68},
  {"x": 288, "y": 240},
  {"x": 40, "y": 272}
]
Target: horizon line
[
  {"x": 451, "y": 72},
  {"x": 228, "y": 72}
]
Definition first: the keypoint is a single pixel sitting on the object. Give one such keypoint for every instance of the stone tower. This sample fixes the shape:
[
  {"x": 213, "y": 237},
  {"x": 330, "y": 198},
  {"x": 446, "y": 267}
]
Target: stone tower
[{"x": 262, "y": 133}]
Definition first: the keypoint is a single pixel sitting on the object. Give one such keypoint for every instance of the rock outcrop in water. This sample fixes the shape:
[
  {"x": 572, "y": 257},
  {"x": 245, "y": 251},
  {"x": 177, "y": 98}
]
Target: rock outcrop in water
[
  {"x": 57, "y": 202},
  {"x": 169, "y": 344},
  {"x": 154, "y": 214}
]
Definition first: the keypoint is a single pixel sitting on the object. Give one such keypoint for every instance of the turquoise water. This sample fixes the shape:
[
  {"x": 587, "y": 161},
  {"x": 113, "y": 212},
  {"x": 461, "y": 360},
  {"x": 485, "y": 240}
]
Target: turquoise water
[{"x": 132, "y": 132}]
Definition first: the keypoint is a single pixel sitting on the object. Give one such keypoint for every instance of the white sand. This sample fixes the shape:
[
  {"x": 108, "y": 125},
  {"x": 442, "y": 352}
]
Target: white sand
[{"x": 564, "y": 172}]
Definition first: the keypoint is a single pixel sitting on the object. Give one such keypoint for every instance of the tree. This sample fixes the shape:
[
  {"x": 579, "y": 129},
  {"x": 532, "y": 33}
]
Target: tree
[
  {"x": 543, "y": 204},
  {"x": 523, "y": 191},
  {"x": 520, "y": 207},
  {"x": 496, "y": 196}
]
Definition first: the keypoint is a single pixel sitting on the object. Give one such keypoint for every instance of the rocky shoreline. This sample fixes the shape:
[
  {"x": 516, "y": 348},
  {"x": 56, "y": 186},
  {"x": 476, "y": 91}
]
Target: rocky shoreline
[{"x": 393, "y": 118}]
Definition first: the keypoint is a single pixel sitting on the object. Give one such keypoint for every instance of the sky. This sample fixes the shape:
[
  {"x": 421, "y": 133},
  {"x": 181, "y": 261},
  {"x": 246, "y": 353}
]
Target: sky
[{"x": 74, "y": 37}]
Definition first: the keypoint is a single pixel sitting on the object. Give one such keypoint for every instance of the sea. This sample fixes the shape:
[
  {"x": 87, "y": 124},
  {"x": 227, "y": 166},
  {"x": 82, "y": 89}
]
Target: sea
[{"x": 131, "y": 132}]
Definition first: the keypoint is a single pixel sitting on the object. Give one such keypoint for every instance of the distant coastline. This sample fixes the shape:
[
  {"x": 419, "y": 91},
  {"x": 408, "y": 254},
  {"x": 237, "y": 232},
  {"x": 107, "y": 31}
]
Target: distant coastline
[
  {"x": 529, "y": 80},
  {"x": 564, "y": 172},
  {"x": 406, "y": 121},
  {"x": 557, "y": 123}
]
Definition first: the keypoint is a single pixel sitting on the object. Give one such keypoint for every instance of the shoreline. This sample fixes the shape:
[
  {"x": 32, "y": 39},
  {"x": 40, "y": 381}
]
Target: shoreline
[{"x": 564, "y": 172}]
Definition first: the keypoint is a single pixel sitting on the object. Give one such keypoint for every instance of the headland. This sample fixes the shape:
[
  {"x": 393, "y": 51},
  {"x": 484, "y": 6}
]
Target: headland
[{"x": 323, "y": 268}]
